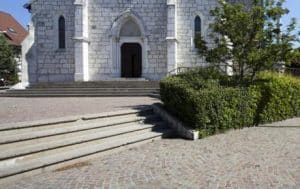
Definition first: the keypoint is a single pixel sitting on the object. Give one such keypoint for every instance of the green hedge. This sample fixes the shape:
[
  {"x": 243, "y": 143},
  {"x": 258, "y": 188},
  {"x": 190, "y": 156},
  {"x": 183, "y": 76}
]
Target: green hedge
[
  {"x": 210, "y": 110},
  {"x": 279, "y": 97},
  {"x": 211, "y": 107}
]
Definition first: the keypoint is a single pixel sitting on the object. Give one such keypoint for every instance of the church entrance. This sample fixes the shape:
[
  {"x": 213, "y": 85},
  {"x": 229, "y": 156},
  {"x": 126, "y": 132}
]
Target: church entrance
[{"x": 131, "y": 60}]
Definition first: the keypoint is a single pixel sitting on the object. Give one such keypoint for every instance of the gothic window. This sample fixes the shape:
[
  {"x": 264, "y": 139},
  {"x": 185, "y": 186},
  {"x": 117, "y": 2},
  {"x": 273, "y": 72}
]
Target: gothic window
[
  {"x": 61, "y": 33},
  {"x": 197, "y": 25}
]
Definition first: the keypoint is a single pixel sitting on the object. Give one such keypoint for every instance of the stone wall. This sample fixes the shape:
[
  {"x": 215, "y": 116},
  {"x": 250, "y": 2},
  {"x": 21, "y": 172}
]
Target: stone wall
[
  {"x": 187, "y": 10},
  {"x": 53, "y": 64},
  {"x": 246, "y": 2},
  {"x": 102, "y": 13},
  {"x": 157, "y": 18}
]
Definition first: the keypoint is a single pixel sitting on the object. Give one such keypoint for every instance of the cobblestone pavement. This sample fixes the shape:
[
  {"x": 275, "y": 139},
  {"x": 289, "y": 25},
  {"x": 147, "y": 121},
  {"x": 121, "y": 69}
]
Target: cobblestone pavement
[
  {"x": 29, "y": 109},
  {"x": 249, "y": 158}
]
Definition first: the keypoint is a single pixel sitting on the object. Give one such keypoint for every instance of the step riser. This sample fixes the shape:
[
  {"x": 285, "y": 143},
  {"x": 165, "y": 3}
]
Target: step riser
[
  {"x": 64, "y": 164},
  {"x": 99, "y": 84},
  {"x": 79, "y": 95},
  {"x": 89, "y": 89},
  {"x": 85, "y": 90},
  {"x": 94, "y": 87},
  {"x": 82, "y": 92},
  {"x": 133, "y": 88},
  {"x": 35, "y": 147},
  {"x": 143, "y": 111},
  {"x": 34, "y": 161},
  {"x": 7, "y": 137},
  {"x": 48, "y": 143}
]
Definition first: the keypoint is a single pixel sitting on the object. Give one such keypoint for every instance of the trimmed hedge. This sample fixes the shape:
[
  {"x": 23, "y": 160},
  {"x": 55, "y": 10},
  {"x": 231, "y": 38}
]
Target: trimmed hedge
[
  {"x": 279, "y": 97},
  {"x": 211, "y": 106},
  {"x": 210, "y": 110}
]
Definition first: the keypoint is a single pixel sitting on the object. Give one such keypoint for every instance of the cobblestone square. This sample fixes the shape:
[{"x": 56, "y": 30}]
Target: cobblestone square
[{"x": 30, "y": 109}]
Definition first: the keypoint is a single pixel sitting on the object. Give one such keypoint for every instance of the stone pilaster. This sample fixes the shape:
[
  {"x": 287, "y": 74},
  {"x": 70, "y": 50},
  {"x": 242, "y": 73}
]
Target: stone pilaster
[
  {"x": 81, "y": 40},
  {"x": 171, "y": 35},
  {"x": 28, "y": 66}
]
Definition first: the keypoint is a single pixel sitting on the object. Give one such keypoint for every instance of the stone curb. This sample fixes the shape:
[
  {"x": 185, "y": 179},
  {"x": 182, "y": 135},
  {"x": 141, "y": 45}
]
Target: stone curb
[
  {"x": 289, "y": 123},
  {"x": 175, "y": 124}
]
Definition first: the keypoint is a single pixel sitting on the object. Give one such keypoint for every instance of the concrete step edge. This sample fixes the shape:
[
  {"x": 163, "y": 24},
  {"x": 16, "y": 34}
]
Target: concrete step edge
[
  {"x": 80, "y": 92},
  {"x": 55, "y": 167},
  {"x": 85, "y": 88},
  {"x": 12, "y": 136},
  {"x": 27, "y": 163},
  {"x": 68, "y": 119},
  {"x": 75, "y": 95},
  {"x": 17, "y": 149}
]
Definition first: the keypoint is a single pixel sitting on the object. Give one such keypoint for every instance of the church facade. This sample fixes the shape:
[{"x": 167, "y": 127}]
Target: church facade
[{"x": 92, "y": 40}]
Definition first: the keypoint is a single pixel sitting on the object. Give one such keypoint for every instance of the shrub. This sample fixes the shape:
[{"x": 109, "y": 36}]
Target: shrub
[
  {"x": 215, "y": 105},
  {"x": 201, "y": 77},
  {"x": 210, "y": 110},
  {"x": 279, "y": 97}
]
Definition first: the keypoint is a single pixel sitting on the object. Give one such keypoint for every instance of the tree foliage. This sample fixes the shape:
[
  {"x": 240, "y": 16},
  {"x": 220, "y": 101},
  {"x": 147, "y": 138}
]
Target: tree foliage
[
  {"x": 294, "y": 58},
  {"x": 7, "y": 61},
  {"x": 248, "y": 39}
]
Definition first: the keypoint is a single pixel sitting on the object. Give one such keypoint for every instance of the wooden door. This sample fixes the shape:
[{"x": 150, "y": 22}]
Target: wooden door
[{"x": 131, "y": 60}]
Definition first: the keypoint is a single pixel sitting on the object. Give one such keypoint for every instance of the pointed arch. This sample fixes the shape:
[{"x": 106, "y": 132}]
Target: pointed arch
[
  {"x": 128, "y": 27},
  {"x": 61, "y": 32},
  {"x": 127, "y": 16}
]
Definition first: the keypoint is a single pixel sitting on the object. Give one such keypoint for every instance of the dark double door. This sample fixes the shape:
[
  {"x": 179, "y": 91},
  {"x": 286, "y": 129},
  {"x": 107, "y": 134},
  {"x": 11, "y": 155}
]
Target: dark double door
[{"x": 131, "y": 60}]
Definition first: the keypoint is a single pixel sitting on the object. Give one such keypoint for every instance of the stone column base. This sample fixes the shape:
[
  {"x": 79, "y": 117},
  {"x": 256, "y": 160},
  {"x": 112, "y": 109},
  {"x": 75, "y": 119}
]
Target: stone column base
[{"x": 78, "y": 77}]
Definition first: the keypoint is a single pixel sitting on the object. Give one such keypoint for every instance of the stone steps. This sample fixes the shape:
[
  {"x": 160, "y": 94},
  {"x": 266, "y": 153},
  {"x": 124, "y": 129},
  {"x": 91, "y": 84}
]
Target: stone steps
[
  {"x": 155, "y": 95},
  {"x": 55, "y": 129},
  {"x": 83, "y": 91},
  {"x": 30, "y": 146},
  {"x": 88, "y": 89},
  {"x": 100, "y": 84},
  {"x": 26, "y": 148}
]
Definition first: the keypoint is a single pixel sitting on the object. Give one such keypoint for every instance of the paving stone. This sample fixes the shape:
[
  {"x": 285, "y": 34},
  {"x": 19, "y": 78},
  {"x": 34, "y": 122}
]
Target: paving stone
[
  {"x": 31, "y": 109},
  {"x": 248, "y": 158}
]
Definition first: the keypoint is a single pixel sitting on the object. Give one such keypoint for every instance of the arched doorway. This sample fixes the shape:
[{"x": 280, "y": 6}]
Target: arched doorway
[
  {"x": 131, "y": 60},
  {"x": 129, "y": 45}
]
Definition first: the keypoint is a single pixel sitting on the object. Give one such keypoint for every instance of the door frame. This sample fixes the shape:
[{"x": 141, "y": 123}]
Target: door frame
[{"x": 141, "y": 42}]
